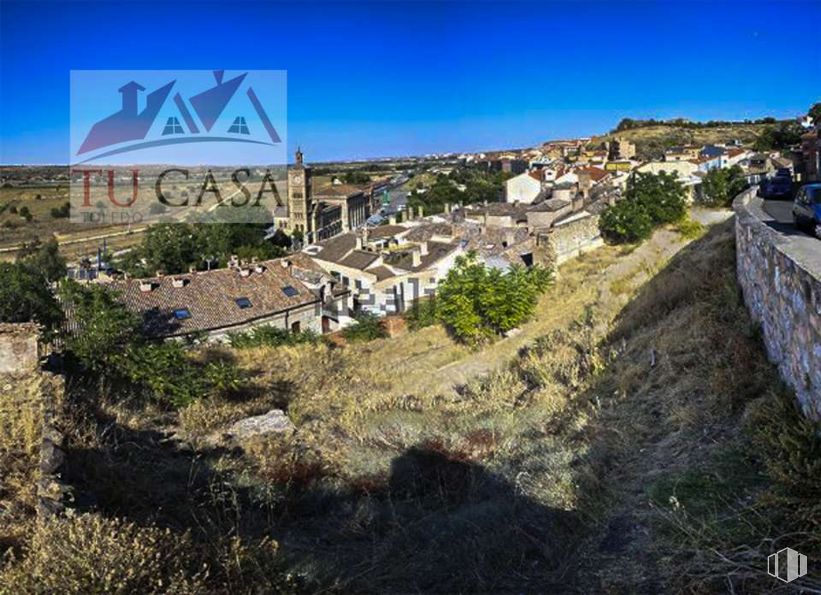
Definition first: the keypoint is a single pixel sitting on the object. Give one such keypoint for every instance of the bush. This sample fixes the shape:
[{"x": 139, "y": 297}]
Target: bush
[
  {"x": 92, "y": 554},
  {"x": 269, "y": 336},
  {"x": 25, "y": 296},
  {"x": 366, "y": 328},
  {"x": 722, "y": 185},
  {"x": 626, "y": 221},
  {"x": 61, "y": 212},
  {"x": 649, "y": 201},
  {"x": 422, "y": 314},
  {"x": 476, "y": 302}
]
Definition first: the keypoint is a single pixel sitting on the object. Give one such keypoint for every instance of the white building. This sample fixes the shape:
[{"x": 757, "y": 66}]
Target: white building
[{"x": 523, "y": 188}]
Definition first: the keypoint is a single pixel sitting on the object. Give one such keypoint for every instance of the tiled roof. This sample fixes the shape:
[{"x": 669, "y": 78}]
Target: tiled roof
[
  {"x": 336, "y": 248},
  {"x": 210, "y": 298},
  {"x": 404, "y": 259},
  {"x": 596, "y": 173},
  {"x": 358, "y": 259},
  {"x": 386, "y": 231}
]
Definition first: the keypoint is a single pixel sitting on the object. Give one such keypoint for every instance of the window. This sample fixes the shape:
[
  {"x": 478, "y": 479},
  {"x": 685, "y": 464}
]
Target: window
[
  {"x": 172, "y": 126},
  {"x": 290, "y": 291},
  {"x": 243, "y": 302},
  {"x": 295, "y": 327},
  {"x": 182, "y": 313},
  {"x": 239, "y": 126}
]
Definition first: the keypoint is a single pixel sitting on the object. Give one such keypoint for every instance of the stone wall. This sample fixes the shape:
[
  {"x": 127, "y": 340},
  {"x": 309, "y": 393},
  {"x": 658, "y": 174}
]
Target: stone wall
[
  {"x": 780, "y": 275},
  {"x": 19, "y": 352},
  {"x": 31, "y": 402},
  {"x": 574, "y": 236}
]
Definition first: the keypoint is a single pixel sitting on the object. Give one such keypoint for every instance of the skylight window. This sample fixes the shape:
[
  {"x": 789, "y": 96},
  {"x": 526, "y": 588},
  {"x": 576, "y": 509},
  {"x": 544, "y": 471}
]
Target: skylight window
[
  {"x": 290, "y": 291},
  {"x": 239, "y": 126},
  {"x": 182, "y": 313},
  {"x": 172, "y": 126},
  {"x": 243, "y": 302}
]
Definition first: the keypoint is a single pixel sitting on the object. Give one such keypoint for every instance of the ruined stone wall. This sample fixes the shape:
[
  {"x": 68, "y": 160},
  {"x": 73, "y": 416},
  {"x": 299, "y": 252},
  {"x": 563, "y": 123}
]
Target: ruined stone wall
[
  {"x": 780, "y": 277},
  {"x": 31, "y": 403}
]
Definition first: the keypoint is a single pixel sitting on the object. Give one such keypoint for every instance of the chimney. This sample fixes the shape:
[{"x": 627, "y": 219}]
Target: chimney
[
  {"x": 584, "y": 183},
  {"x": 177, "y": 282},
  {"x": 146, "y": 286},
  {"x": 258, "y": 268},
  {"x": 416, "y": 258},
  {"x": 420, "y": 211},
  {"x": 192, "y": 269},
  {"x": 447, "y": 208},
  {"x": 359, "y": 242},
  {"x": 244, "y": 272},
  {"x": 392, "y": 220},
  {"x": 423, "y": 248}
]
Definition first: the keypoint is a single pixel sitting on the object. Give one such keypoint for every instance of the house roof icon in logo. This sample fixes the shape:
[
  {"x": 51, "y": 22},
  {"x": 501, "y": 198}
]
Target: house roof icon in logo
[{"x": 129, "y": 124}]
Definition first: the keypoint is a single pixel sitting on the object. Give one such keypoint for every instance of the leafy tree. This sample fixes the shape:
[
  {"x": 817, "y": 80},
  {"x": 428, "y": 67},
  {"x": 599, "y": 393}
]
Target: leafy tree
[
  {"x": 626, "y": 221},
  {"x": 356, "y": 177},
  {"x": 778, "y": 137},
  {"x": 25, "y": 297},
  {"x": 476, "y": 302},
  {"x": 25, "y": 213},
  {"x": 106, "y": 330},
  {"x": 722, "y": 185},
  {"x": 650, "y": 200},
  {"x": 170, "y": 247},
  {"x": 44, "y": 258}
]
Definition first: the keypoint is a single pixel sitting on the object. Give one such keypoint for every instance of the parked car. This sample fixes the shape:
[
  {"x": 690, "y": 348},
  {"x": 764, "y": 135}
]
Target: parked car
[
  {"x": 806, "y": 211},
  {"x": 776, "y": 188},
  {"x": 783, "y": 172}
]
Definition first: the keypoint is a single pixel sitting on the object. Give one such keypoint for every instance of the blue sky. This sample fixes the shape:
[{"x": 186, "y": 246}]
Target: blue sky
[{"x": 395, "y": 79}]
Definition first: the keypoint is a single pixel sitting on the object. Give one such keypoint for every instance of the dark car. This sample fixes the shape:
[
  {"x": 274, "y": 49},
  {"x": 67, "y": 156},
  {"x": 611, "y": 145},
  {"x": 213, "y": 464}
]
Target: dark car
[
  {"x": 776, "y": 188},
  {"x": 783, "y": 172},
  {"x": 806, "y": 211}
]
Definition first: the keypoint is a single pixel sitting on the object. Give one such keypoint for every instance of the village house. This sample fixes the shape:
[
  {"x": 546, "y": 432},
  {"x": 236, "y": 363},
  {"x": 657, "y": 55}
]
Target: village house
[
  {"x": 811, "y": 155},
  {"x": 385, "y": 273},
  {"x": 525, "y": 188},
  {"x": 288, "y": 293}
]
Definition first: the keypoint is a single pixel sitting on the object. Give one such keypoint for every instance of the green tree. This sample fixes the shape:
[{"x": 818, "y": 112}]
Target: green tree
[
  {"x": 722, "y": 185},
  {"x": 170, "y": 247},
  {"x": 44, "y": 258},
  {"x": 106, "y": 331},
  {"x": 476, "y": 302},
  {"x": 25, "y": 297},
  {"x": 649, "y": 200}
]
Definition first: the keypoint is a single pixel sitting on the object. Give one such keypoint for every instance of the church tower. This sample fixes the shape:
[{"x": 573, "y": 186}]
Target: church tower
[{"x": 300, "y": 211}]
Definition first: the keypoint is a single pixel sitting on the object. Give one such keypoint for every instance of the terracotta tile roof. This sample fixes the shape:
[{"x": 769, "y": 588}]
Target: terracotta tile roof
[
  {"x": 596, "y": 173},
  {"x": 210, "y": 298}
]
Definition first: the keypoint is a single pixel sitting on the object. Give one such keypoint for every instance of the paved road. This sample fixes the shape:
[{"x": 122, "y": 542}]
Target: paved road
[
  {"x": 802, "y": 246},
  {"x": 780, "y": 210}
]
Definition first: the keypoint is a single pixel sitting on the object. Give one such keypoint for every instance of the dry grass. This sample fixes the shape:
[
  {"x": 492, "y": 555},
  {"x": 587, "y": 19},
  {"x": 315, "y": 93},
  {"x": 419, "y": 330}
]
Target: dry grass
[{"x": 418, "y": 465}]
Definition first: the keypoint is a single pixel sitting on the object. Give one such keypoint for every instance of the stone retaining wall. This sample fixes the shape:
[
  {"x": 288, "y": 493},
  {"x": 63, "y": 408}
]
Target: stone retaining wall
[{"x": 781, "y": 283}]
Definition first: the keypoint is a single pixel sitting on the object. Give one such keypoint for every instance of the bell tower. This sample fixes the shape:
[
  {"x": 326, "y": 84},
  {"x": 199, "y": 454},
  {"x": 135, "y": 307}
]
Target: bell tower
[{"x": 300, "y": 211}]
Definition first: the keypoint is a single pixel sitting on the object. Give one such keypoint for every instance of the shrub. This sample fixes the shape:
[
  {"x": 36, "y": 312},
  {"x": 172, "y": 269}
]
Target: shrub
[
  {"x": 92, "y": 554},
  {"x": 649, "y": 201},
  {"x": 722, "y": 185},
  {"x": 25, "y": 296},
  {"x": 366, "y": 328},
  {"x": 626, "y": 221},
  {"x": 61, "y": 212},
  {"x": 269, "y": 336},
  {"x": 422, "y": 314},
  {"x": 476, "y": 302}
]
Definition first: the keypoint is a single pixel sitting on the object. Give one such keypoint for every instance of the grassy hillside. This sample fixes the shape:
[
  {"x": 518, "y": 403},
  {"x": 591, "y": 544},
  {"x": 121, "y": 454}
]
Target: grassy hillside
[
  {"x": 652, "y": 140},
  {"x": 614, "y": 445}
]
